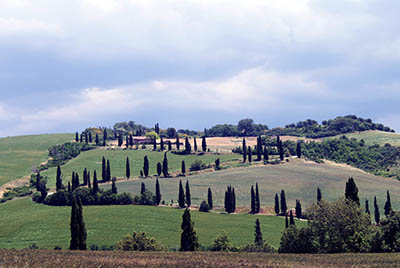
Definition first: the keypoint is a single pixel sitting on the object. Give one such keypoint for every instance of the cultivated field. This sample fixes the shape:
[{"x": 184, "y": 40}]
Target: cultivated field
[
  {"x": 18, "y": 155},
  {"x": 24, "y": 223},
  {"x": 299, "y": 179},
  {"x": 45, "y": 258},
  {"x": 374, "y": 137}
]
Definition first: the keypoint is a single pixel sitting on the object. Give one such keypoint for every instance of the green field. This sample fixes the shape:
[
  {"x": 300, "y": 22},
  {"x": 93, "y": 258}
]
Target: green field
[
  {"x": 92, "y": 161},
  {"x": 18, "y": 155},
  {"x": 299, "y": 180},
  {"x": 24, "y": 222},
  {"x": 374, "y": 137}
]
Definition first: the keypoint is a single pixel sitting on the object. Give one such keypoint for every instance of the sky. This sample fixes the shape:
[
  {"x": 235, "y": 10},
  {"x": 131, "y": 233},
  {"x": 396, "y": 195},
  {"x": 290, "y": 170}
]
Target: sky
[{"x": 67, "y": 65}]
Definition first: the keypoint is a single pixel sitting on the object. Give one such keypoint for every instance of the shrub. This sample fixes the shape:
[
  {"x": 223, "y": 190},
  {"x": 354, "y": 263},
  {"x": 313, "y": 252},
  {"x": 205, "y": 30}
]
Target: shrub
[
  {"x": 197, "y": 165},
  {"x": 37, "y": 197},
  {"x": 139, "y": 242},
  {"x": 59, "y": 198},
  {"x": 204, "y": 207},
  {"x": 265, "y": 247},
  {"x": 223, "y": 243}
]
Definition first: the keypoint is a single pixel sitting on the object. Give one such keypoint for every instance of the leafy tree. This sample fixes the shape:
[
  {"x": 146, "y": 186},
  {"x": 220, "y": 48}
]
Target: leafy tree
[
  {"x": 119, "y": 140},
  {"x": 222, "y": 243},
  {"x": 88, "y": 176},
  {"x": 376, "y": 211},
  {"x": 295, "y": 240},
  {"x": 286, "y": 221},
  {"x": 59, "y": 185},
  {"x": 367, "y": 207},
  {"x": 90, "y": 137},
  {"x": 244, "y": 150},
  {"x": 257, "y": 234},
  {"x": 388, "y": 204},
  {"x": 169, "y": 146},
  {"x": 187, "y": 194},
  {"x": 253, "y": 201},
  {"x": 95, "y": 183},
  {"x": 217, "y": 164},
  {"x": 146, "y": 166},
  {"x": 246, "y": 126},
  {"x": 157, "y": 128},
  {"x": 189, "y": 241},
  {"x": 319, "y": 195},
  {"x": 204, "y": 207},
  {"x": 130, "y": 140},
  {"x": 351, "y": 191},
  {"x": 114, "y": 189},
  {"x": 165, "y": 166},
  {"x": 391, "y": 232},
  {"x": 210, "y": 198},
  {"x": 276, "y": 204},
  {"x": 183, "y": 168},
  {"x": 298, "y": 149},
  {"x": 139, "y": 242},
  {"x": 158, "y": 193},
  {"x": 181, "y": 196},
  {"x": 81, "y": 138},
  {"x": 188, "y": 147},
  {"x": 127, "y": 169},
  {"x": 291, "y": 218},
  {"x": 250, "y": 154},
  {"x": 78, "y": 231},
  {"x": 204, "y": 144},
  {"x": 283, "y": 202},
  {"x": 171, "y": 132},
  {"x": 299, "y": 213},
  {"x": 159, "y": 169},
  {"x": 127, "y": 142},
  {"x": 103, "y": 169}
]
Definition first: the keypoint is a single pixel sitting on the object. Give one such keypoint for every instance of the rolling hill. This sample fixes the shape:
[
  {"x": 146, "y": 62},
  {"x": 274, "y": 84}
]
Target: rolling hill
[{"x": 372, "y": 137}]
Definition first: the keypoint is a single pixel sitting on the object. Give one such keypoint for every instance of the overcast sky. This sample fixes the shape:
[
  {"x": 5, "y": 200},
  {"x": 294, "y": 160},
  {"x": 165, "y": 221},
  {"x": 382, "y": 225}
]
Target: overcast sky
[{"x": 66, "y": 65}]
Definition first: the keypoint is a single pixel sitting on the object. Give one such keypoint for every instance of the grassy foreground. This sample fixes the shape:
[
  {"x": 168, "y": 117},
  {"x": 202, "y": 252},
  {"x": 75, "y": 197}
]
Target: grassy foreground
[
  {"x": 18, "y": 155},
  {"x": 45, "y": 258},
  {"x": 24, "y": 223}
]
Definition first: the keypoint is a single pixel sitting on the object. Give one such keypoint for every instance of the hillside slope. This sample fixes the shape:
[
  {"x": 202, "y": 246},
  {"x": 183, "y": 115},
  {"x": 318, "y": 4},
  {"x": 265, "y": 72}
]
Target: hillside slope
[{"x": 372, "y": 137}]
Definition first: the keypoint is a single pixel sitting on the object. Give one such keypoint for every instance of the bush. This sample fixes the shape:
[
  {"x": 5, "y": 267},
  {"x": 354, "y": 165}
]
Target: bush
[
  {"x": 139, "y": 242},
  {"x": 37, "y": 197},
  {"x": 204, "y": 207},
  {"x": 223, "y": 243},
  {"x": 59, "y": 198},
  {"x": 257, "y": 248},
  {"x": 147, "y": 198},
  {"x": 197, "y": 165}
]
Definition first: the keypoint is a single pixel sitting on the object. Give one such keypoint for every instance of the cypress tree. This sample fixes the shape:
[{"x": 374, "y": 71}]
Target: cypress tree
[
  {"x": 388, "y": 204},
  {"x": 319, "y": 195},
  {"x": 253, "y": 201},
  {"x": 89, "y": 184},
  {"x": 204, "y": 144},
  {"x": 181, "y": 196},
  {"x": 278, "y": 141},
  {"x": 85, "y": 179},
  {"x": 351, "y": 192},
  {"x": 142, "y": 188},
  {"x": 108, "y": 170},
  {"x": 69, "y": 187},
  {"x": 114, "y": 189},
  {"x": 244, "y": 150},
  {"x": 90, "y": 137},
  {"x": 77, "y": 183},
  {"x": 146, "y": 166},
  {"x": 259, "y": 148},
  {"x": 233, "y": 200},
  {"x": 115, "y": 135},
  {"x": 257, "y": 234},
  {"x": 97, "y": 139},
  {"x": 283, "y": 202},
  {"x": 59, "y": 185},
  {"x": 86, "y": 138},
  {"x": 119, "y": 140},
  {"x": 127, "y": 169},
  {"x": 299, "y": 212},
  {"x": 367, "y": 207},
  {"x": 250, "y": 154},
  {"x": 141, "y": 173},
  {"x": 189, "y": 241},
  {"x": 95, "y": 183},
  {"x": 165, "y": 166},
  {"x": 195, "y": 145},
  {"x": 286, "y": 221},
  {"x": 187, "y": 194},
  {"x": 130, "y": 140},
  {"x": 81, "y": 138},
  {"x": 210, "y": 199},
  {"x": 188, "y": 147},
  {"x": 217, "y": 164},
  {"x": 158, "y": 193},
  {"x": 77, "y": 226},
  {"x": 157, "y": 128},
  {"x": 178, "y": 143},
  {"x": 76, "y": 136},
  {"x": 159, "y": 169},
  {"x": 105, "y": 137},
  {"x": 376, "y": 211},
  {"x": 38, "y": 178},
  {"x": 154, "y": 144},
  {"x": 276, "y": 204},
  {"x": 291, "y": 218},
  {"x": 281, "y": 154},
  {"x": 127, "y": 142},
  {"x": 103, "y": 169},
  {"x": 169, "y": 146},
  {"x": 257, "y": 199},
  {"x": 298, "y": 150},
  {"x": 161, "y": 144},
  {"x": 227, "y": 202},
  {"x": 266, "y": 157},
  {"x": 73, "y": 182},
  {"x": 183, "y": 168}
]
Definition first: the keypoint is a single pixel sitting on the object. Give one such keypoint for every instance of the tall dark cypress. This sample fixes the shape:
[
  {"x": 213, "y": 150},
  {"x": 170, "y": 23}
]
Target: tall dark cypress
[
  {"x": 158, "y": 193},
  {"x": 319, "y": 195},
  {"x": 286, "y": 221},
  {"x": 159, "y": 169},
  {"x": 281, "y": 154},
  {"x": 195, "y": 145},
  {"x": 188, "y": 147},
  {"x": 299, "y": 212},
  {"x": 183, "y": 168},
  {"x": 298, "y": 150},
  {"x": 165, "y": 166},
  {"x": 181, "y": 196},
  {"x": 108, "y": 171},
  {"x": 103, "y": 169},
  {"x": 253, "y": 200},
  {"x": 187, "y": 194},
  {"x": 86, "y": 138},
  {"x": 73, "y": 182},
  {"x": 130, "y": 140},
  {"x": 114, "y": 189},
  {"x": 250, "y": 154},
  {"x": 278, "y": 141},
  {"x": 85, "y": 179},
  {"x": 283, "y": 202},
  {"x": 291, "y": 218},
  {"x": 259, "y": 148},
  {"x": 376, "y": 211},
  {"x": 105, "y": 137},
  {"x": 127, "y": 142},
  {"x": 119, "y": 140},
  {"x": 210, "y": 199},
  {"x": 161, "y": 144},
  {"x": 69, "y": 187},
  {"x": 77, "y": 137},
  {"x": 77, "y": 183},
  {"x": 88, "y": 180},
  {"x": 127, "y": 169},
  {"x": 146, "y": 166},
  {"x": 77, "y": 226},
  {"x": 244, "y": 150},
  {"x": 277, "y": 210},
  {"x": 142, "y": 188},
  {"x": 351, "y": 191},
  {"x": 266, "y": 157},
  {"x": 154, "y": 144},
  {"x": 230, "y": 199},
  {"x": 169, "y": 146},
  {"x": 388, "y": 204},
  {"x": 178, "y": 143},
  {"x": 204, "y": 144},
  {"x": 97, "y": 140},
  {"x": 59, "y": 184},
  {"x": 157, "y": 128},
  {"x": 233, "y": 200},
  {"x": 258, "y": 208},
  {"x": 95, "y": 183},
  {"x": 81, "y": 138},
  {"x": 90, "y": 137},
  {"x": 257, "y": 234},
  {"x": 367, "y": 207},
  {"x": 189, "y": 241}
]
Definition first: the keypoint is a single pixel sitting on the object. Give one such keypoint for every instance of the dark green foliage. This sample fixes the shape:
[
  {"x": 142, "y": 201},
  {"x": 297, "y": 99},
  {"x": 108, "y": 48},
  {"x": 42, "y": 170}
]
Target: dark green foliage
[
  {"x": 188, "y": 147},
  {"x": 257, "y": 234},
  {"x": 188, "y": 199},
  {"x": 103, "y": 169},
  {"x": 291, "y": 222},
  {"x": 120, "y": 140},
  {"x": 169, "y": 146},
  {"x": 154, "y": 144},
  {"x": 81, "y": 138},
  {"x": 183, "y": 168},
  {"x": 114, "y": 189},
  {"x": 78, "y": 231},
  {"x": 146, "y": 198},
  {"x": 217, "y": 164},
  {"x": 257, "y": 201},
  {"x": 127, "y": 169},
  {"x": 159, "y": 169},
  {"x": 319, "y": 195},
  {"x": 280, "y": 149},
  {"x": 97, "y": 140},
  {"x": 210, "y": 198},
  {"x": 197, "y": 165},
  {"x": 298, "y": 150},
  {"x": 18, "y": 192},
  {"x": 178, "y": 143},
  {"x": 95, "y": 183},
  {"x": 299, "y": 212},
  {"x": 146, "y": 166},
  {"x": 76, "y": 137},
  {"x": 203, "y": 143},
  {"x": 108, "y": 177},
  {"x": 376, "y": 211},
  {"x": 105, "y": 137},
  {"x": 165, "y": 166},
  {"x": 351, "y": 191},
  {"x": 276, "y": 207},
  {"x": 295, "y": 240},
  {"x": 88, "y": 180},
  {"x": 86, "y": 138},
  {"x": 244, "y": 150},
  {"x": 204, "y": 207},
  {"x": 181, "y": 196},
  {"x": 253, "y": 201},
  {"x": 161, "y": 144},
  {"x": 157, "y": 128},
  {"x": 283, "y": 203},
  {"x": 189, "y": 241},
  {"x": 390, "y": 227},
  {"x": 138, "y": 242},
  {"x": 60, "y": 154},
  {"x": 158, "y": 193},
  {"x": 59, "y": 184},
  {"x": 286, "y": 221},
  {"x": 388, "y": 204},
  {"x": 142, "y": 188},
  {"x": 367, "y": 211},
  {"x": 171, "y": 132},
  {"x": 245, "y": 127},
  {"x": 230, "y": 200},
  {"x": 69, "y": 187},
  {"x": 259, "y": 148},
  {"x": 266, "y": 157},
  {"x": 85, "y": 179},
  {"x": 130, "y": 140},
  {"x": 195, "y": 144},
  {"x": 127, "y": 142}
]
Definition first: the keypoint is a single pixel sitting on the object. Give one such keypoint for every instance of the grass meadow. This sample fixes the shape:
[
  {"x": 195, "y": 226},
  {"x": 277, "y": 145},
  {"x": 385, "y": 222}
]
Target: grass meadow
[{"x": 372, "y": 137}]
